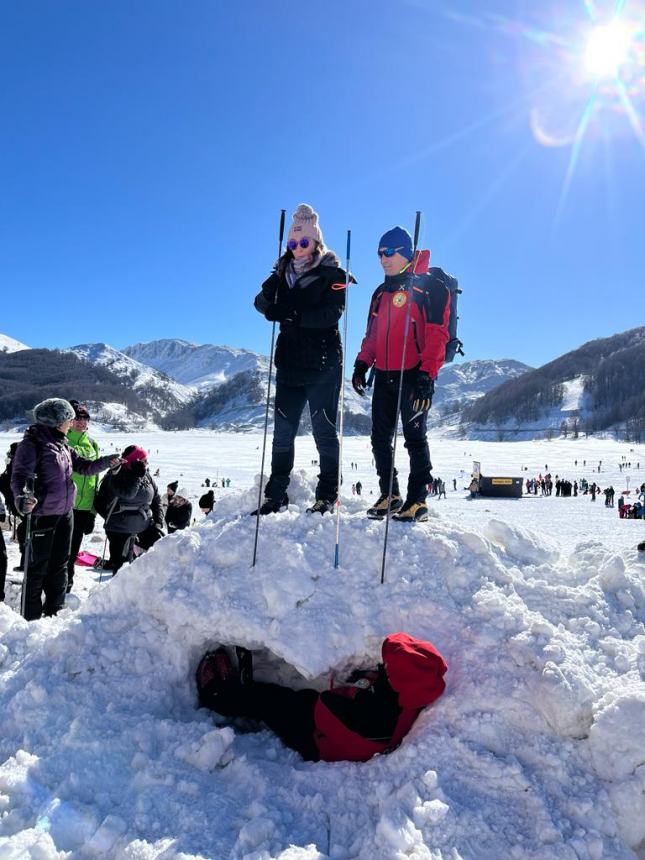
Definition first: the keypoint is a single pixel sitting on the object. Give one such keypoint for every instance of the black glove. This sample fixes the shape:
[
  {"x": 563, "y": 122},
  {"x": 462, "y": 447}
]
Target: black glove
[
  {"x": 138, "y": 468},
  {"x": 159, "y": 530},
  {"x": 26, "y": 504},
  {"x": 270, "y": 288},
  {"x": 3, "y": 517},
  {"x": 280, "y": 312},
  {"x": 359, "y": 378},
  {"x": 422, "y": 392}
]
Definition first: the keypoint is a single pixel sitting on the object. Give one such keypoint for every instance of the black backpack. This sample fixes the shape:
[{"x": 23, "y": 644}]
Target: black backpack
[{"x": 454, "y": 345}]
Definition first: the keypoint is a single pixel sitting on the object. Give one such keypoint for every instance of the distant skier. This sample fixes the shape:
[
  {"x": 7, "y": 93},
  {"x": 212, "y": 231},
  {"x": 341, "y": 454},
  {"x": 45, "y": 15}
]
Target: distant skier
[
  {"x": 359, "y": 488},
  {"x": 306, "y": 295},
  {"x": 428, "y": 300}
]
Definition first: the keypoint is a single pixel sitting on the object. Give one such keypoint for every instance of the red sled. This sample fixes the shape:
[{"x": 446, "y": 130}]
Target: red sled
[{"x": 88, "y": 559}]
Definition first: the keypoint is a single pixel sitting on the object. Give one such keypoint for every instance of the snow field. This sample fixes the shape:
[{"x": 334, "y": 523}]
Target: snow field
[{"x": 536, "y": 750}]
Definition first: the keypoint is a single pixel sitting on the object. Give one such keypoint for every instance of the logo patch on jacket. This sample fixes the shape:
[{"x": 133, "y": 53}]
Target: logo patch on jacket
[{"x": 399, "y": 299}]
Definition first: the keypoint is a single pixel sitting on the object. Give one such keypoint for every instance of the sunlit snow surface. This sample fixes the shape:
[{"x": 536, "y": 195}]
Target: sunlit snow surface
[{"x": 536, "y": 750}]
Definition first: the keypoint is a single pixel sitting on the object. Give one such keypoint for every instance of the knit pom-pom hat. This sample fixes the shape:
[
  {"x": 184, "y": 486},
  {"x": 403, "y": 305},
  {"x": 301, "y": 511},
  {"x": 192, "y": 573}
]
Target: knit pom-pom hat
[{"x": 305, "y": 223}]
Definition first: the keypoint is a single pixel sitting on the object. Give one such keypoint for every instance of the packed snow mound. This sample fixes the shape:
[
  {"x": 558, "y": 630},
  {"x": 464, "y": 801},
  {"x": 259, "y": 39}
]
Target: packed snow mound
[{"x": 103, "y": 752}]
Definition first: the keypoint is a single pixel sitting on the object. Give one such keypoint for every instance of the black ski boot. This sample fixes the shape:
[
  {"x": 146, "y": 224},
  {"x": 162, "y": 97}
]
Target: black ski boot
[
  {"x": 215, "y": 668},
  {"x": 271, "y": 506},
  {"x": 321, "y": 506},
  {"x": 379, "y": 510}
]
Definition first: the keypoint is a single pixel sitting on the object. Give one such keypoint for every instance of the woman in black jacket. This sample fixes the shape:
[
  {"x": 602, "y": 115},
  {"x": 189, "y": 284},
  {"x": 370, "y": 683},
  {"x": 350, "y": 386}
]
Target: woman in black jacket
[
  {"x": 129, "y": 502},
  {"x": 306, "y": 295}
]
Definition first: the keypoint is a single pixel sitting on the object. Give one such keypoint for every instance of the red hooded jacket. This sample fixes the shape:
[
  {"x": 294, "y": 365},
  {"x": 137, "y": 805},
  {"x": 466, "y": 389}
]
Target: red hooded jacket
[
  {"x": 428, "y": 332},
  {"x": 415, "y": 670}
]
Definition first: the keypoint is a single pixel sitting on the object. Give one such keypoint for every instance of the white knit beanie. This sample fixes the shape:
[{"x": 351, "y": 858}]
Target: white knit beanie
[{"x": 305, "y": 223}]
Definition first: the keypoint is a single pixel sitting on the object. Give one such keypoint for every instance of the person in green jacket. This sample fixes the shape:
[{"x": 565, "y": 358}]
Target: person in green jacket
[{"x": 84, "y": 513}]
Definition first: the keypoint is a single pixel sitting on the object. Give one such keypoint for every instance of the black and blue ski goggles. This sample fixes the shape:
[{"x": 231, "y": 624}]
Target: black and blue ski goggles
[{"x": 388, "y": 252}]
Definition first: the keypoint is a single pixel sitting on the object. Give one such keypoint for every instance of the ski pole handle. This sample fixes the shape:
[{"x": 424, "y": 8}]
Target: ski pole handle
[
  {"x": 283, "y": 212},
  {"x": 349, "y": 245},
  {"x": 417, "y": 225}
]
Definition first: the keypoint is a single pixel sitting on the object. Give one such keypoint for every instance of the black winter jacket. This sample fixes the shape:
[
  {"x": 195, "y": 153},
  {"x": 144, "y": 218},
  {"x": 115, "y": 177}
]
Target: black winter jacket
[
  {"x": 128, "y": 503},
  {"x": 178, "y": 516},
  {"x": 311, "y": 341}
]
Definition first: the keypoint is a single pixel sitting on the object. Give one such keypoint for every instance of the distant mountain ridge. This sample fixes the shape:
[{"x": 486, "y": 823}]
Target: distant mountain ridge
[
  {"x": 592, "y": 388},
  {"x": 200, "y": 366},
  {"x": 176, "y": 384}
]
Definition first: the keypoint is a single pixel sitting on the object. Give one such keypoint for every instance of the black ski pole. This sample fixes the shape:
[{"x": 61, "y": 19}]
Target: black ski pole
[
  {"x": 266, "y": 411},
  {"x": 342, "y": 400},
  {"x": 28, "y": 492},
  {"x": 406, "y": 329}
]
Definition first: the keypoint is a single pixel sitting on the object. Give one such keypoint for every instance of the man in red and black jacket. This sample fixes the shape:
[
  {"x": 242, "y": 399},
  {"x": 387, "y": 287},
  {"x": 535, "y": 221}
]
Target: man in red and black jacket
[{"x": 405, "y": 290}]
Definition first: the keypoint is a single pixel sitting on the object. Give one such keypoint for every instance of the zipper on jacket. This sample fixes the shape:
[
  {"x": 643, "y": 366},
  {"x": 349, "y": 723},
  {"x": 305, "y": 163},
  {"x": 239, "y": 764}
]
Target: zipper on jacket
[
  {"x": 387, "y": 336},
  {"x": 416, "y": 341}
]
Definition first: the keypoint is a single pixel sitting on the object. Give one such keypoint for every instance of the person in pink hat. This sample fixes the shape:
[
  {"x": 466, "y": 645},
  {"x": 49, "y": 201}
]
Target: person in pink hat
[{"x": 129, "y": 502}]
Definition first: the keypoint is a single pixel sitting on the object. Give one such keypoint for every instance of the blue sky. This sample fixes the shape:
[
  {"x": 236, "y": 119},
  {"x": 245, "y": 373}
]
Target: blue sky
[{"x": 147, "y": 149}]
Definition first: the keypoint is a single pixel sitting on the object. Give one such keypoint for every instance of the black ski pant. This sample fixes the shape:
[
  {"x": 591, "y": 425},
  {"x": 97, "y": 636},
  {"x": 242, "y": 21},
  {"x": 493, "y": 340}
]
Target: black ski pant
[
  {"x": 46, "y": 568},
  {"x": 121, "y": 549},
  {"x": 384, "y": 399},
  {"x": 288, "y": 713},
  {"x": 122, "y": 545},
  {"x": 3, "y": 565},
  {"x": 322, "y": 394},
  {"x": 83, "y": 525}
]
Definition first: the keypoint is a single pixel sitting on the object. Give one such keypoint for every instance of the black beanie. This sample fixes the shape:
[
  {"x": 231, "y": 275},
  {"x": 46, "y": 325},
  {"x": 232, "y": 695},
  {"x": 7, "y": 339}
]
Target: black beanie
[
  {"x": 173, "y": 486},
  {"x": 207, "y": 500}
]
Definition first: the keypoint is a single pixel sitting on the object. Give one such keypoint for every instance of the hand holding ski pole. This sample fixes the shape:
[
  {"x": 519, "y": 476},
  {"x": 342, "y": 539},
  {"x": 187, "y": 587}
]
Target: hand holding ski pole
[{"x": 26, "y": 502}]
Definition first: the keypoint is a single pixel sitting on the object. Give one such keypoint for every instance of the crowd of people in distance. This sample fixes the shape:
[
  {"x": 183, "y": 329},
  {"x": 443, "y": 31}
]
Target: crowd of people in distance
[{"x": 543, "y": 485}]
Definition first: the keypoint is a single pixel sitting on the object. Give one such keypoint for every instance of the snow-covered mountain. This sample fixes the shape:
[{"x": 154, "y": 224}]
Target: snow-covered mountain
[
  {"x": 472, "y": 379},
  {"x": 200, "y": 366},
  {"x": 161, "y": 393},
  {"x": 230, "y": 383},
  {"x": 594, "y": 388},
  {"x": 209, "y": 369},
  {"x": 9, "y": 344}
]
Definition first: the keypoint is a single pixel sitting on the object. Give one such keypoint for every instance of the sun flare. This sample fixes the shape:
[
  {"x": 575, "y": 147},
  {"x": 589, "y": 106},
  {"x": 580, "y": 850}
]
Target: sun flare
[{"x": 607, "y": 49}]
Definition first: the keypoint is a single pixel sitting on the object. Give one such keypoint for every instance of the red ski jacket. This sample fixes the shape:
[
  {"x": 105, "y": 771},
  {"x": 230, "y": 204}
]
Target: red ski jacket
[
  {"x": 415, "y": 671},
  {"x": 428, "y": 333}
]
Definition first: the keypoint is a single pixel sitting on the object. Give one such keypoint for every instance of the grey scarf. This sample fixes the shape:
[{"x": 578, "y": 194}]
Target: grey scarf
[{"x": 299, "y": 267}]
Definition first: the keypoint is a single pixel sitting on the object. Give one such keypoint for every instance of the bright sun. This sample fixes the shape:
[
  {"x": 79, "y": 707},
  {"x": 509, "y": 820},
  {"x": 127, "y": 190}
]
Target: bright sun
[{"x": 607, "y": 49}]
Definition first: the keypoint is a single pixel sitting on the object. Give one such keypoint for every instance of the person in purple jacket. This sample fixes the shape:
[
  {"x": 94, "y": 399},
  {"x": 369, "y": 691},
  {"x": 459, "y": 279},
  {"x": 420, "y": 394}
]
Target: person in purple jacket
[{"x": 45, "y": 454}]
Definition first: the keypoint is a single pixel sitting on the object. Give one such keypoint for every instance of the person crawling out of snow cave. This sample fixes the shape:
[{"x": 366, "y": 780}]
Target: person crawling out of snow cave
[{"x": 370, "y": 714}]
